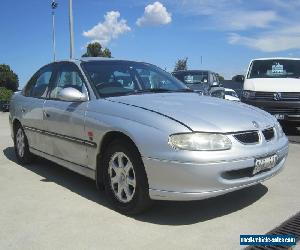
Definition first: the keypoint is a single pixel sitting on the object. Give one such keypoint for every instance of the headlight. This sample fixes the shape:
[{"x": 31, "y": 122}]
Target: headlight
[
  {"x": 279, "y": 130},
  {"x": 248, "y": 94},
  {"x": 200, "y": 141}
]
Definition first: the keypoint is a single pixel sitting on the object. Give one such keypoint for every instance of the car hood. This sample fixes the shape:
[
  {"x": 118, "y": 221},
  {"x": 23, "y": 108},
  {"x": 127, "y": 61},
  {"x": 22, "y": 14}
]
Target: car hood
[
  {"x": 200, "y": 113},
  {"x": 273, "y": 84}
]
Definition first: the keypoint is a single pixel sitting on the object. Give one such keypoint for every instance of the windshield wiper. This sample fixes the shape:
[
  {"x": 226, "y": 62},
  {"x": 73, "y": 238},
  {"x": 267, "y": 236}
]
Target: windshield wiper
[
  {"x": 158, "y": 90},
  {"x": 155, "y": 90},
  {"x": 184, "y": 90},
  {"x": 297, "y": 77}
]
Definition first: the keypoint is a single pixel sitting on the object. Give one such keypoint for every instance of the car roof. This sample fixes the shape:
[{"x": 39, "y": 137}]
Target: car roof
[
  {"x": 276, "y": 58},
  {"x": 94, "y": 59}
]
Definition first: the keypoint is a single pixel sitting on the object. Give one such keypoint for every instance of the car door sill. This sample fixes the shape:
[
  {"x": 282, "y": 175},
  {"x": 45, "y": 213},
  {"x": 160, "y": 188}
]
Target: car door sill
[
  {"x": 83, "y": 170},
  {"x": 68, "y": 138}
]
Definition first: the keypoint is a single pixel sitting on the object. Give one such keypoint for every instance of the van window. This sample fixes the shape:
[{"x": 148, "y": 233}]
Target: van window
[{"x": 281, "y": 68}]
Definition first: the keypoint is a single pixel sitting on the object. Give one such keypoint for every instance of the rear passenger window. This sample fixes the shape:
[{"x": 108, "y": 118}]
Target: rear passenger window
[{"x": 38, "y": 86}]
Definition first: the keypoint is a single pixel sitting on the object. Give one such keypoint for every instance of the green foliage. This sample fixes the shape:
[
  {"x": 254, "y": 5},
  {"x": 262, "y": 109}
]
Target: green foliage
[
  {"x": 106, "y": 53},
  {"x": 95, "y": 50},
  {"x": 181, "y": 64},
  {"x": 8, "y": 78},
  {"x": 5, "y": 94},
  {"x": 221, "y": 78}
]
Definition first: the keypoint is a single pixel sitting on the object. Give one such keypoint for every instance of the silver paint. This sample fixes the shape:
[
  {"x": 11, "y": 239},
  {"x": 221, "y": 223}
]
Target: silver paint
[{"x": 148, "y": 120}]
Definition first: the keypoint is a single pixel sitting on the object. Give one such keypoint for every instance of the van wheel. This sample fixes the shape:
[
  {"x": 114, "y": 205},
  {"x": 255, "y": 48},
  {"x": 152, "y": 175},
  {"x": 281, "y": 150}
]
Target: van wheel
[
  {"x": 21, "y": 146},
  {"x": 125, "y": 178}
]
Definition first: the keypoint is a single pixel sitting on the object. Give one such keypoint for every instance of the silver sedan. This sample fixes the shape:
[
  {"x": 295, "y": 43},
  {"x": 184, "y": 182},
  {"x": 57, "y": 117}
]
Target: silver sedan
[{"x": 141, "y": 134}]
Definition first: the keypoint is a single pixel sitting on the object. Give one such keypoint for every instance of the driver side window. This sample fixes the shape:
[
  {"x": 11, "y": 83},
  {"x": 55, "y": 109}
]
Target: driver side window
[{"x": 67, "y": 76}]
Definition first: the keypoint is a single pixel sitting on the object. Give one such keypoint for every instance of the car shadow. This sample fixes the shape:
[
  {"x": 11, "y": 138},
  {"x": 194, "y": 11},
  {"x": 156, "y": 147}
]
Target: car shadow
[
  {"x": 292, "y": 132},
  {"x": 162, "y": 212}
]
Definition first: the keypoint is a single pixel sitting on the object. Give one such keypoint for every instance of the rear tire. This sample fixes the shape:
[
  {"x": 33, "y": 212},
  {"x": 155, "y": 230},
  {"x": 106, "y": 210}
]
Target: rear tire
[
  {"x": 21, "y": 146},
  {"x": 125, "y": 178}
]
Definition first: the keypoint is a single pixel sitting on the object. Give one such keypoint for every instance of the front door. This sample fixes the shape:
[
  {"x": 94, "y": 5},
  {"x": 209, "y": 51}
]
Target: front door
[
  {"x": 65, "y": 120},
  {"x": 33, "y": 120}
]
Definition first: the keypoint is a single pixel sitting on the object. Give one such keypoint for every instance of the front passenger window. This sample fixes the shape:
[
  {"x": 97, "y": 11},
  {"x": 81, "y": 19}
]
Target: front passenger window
[{"x": 67, "y": 76}]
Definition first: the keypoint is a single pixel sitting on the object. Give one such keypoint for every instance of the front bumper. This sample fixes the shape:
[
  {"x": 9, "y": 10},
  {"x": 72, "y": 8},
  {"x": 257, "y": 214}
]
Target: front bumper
[
  {"x": 170, "y": 180},
  {"x": 289, "y": 109}
]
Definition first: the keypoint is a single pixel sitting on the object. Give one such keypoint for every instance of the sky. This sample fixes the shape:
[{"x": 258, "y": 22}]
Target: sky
[{"x": 226, "y": 33}]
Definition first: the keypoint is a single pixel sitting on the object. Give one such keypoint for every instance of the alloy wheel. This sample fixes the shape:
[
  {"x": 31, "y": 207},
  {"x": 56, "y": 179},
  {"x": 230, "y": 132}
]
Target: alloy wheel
[
  {"x": 20, "y": 139},
  {"x": 122, "y": 177}
]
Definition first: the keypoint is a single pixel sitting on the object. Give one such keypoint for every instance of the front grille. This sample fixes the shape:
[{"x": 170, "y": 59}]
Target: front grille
[
  {"x": 250, "y": 137},
  {"x": 245, "y": 172},
  {"x": 268, "y": 134},
  {"x": 264, "y": 95},
  {"x": 284, "y": 96},
  {"x": 283, "y": 110},
  {"x": 238, "y": 174}
]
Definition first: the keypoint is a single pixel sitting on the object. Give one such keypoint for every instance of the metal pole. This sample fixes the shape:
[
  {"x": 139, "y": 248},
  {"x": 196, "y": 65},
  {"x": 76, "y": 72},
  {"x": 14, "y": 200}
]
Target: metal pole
[
  {"x": 53, "y": 35},
  {"x": 53, "y": 7},
  {"x": 71, "y": 29}
]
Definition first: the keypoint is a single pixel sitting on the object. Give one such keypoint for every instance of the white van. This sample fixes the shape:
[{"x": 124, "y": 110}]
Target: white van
[{"x": 273, "y": 84}]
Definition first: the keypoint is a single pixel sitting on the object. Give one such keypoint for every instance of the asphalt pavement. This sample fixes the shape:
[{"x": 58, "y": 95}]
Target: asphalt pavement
[
  {"x": 44, "y": 206},
  {"x": 293, "y": 133}
]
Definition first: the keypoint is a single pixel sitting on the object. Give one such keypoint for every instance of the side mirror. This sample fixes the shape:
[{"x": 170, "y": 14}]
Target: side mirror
[
  {"x": 72, "y": 95},
  {"x": 239, "y": 78}
]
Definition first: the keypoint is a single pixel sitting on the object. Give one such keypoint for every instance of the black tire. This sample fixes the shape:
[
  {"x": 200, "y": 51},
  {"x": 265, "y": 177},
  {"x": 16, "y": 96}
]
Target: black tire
[
  {"x": 26, "y": 157},
  {"x": 140, "y": 200}
]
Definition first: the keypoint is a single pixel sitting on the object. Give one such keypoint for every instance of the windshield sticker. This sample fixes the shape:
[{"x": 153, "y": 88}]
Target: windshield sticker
[
  {"x": 277, "y": 69},
  {"x": 189, "y": 79}
]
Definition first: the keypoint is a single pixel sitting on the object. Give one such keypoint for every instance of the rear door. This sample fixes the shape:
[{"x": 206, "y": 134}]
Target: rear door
[
  {"x": 32, "y": 107},
  {"x": 65, "y": 121}
]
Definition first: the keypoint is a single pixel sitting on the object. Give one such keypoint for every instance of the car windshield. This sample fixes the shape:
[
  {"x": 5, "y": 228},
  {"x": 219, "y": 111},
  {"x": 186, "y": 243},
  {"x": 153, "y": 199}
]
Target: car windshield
[
  {"x": 275, "y": 69},
  {"x": 192, "y": 77},
  {"x": 116, "y": 78}
]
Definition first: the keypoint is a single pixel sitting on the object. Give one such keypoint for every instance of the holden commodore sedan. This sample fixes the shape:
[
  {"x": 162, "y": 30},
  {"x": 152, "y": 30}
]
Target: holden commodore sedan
[{"x": 141, "y": 134}]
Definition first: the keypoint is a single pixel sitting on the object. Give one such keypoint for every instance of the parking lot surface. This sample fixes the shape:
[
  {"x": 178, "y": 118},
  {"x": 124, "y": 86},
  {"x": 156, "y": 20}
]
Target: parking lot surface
[{"x": 44, "y": 206}]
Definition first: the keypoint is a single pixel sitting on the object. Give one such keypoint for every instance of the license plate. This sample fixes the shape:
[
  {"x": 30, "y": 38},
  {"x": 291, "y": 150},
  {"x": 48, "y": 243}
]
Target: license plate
[
  {"x": 265, "y": 163},
  {"x": 279, "y": 116}
]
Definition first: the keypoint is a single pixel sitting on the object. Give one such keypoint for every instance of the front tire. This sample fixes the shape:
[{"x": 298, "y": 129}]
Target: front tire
[
  {"x": 21, "y": 146},
  {"x": 125, "y": 178}
]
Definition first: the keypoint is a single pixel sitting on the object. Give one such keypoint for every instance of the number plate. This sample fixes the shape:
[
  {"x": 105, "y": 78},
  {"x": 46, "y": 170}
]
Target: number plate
[
  {"x": 279, "y": 116},
  {"x": 264, "y": 163}
]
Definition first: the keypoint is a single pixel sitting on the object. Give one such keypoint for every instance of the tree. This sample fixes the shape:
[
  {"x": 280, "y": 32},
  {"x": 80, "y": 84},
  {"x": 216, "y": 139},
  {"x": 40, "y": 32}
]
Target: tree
[
  {"x": 8, "y": 79},
  {"x": 221, "y": 78},
  {"x": 106, "y": 53},
  {"x": 181, "y": 64},
  {"x": 95, "y": 50},
  {"x": 5, "y": 94}
]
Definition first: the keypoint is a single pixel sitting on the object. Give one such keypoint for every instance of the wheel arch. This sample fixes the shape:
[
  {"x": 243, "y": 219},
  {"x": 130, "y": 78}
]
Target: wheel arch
[
  {"x": 108, "y": 138},
  {"x": 14, "y": 125}
]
